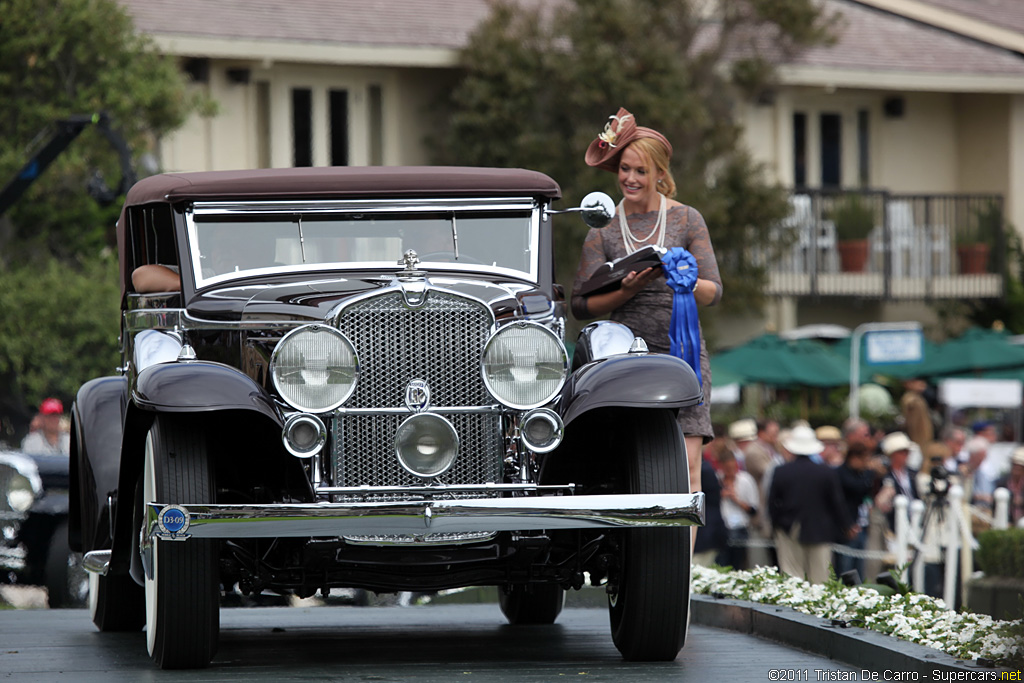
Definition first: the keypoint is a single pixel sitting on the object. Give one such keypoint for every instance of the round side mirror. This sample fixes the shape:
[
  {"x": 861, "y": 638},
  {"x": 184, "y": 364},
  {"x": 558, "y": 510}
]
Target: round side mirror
[{"x": 597, "y": 209}]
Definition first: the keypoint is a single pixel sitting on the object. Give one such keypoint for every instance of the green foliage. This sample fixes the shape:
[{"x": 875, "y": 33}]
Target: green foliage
[
  {"x": 1001, "y": 552},
  {"x": 854, "y": 218},
  {"x": 984, "y": 226},
  {"x": 539, "y": 84},
  {"x": 61, "y": 324},
  {"x": 72, "y": 57}
]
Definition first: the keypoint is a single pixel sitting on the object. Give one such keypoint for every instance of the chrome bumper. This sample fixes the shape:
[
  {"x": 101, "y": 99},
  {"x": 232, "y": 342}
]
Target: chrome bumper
[{"x": 178, "y": 522}]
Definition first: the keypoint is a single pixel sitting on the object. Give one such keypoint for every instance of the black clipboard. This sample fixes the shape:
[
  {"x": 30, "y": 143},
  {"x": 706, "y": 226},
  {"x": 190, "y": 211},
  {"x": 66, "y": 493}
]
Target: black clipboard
[{"x": 609, "y": 275}]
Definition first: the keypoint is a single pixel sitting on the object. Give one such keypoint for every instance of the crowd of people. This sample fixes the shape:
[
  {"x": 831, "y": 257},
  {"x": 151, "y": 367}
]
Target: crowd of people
[{"x": 809, "y": 499}]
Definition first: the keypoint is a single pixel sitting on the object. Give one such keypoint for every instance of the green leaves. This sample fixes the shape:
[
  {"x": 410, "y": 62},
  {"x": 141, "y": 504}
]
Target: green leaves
[{"x": 538, "y": 85}]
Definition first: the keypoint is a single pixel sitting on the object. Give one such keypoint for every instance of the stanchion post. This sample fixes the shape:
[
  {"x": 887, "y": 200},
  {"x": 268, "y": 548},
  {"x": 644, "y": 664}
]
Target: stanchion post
[
  {"x": 917, "y": 535},
  {"x": 1001, "y": 514},
  {"x": 902, "y": 532},
  {"x": 952, "y": 537}
]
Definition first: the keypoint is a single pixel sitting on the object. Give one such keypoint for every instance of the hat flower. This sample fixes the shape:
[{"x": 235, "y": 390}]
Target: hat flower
[{"x": 610, "y": 134}]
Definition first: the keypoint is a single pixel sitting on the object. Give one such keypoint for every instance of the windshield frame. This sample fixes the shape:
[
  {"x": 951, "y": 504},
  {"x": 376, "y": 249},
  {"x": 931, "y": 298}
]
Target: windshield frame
[{"x": 457, "y": 208}]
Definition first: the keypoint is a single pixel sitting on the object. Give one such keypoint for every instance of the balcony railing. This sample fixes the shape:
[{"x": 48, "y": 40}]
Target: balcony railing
[{"x": 877, "y": 244}]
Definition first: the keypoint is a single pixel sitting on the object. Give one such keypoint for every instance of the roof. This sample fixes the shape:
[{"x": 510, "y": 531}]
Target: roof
[
  {"x": 343, "y": 182},
  {"x": 875, "y": 35}
]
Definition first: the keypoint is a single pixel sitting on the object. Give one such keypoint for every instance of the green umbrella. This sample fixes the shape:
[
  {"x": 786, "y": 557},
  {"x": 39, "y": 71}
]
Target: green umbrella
[
  {"x": 975, "y": 351},
  {"x": 777, "y": 362}
]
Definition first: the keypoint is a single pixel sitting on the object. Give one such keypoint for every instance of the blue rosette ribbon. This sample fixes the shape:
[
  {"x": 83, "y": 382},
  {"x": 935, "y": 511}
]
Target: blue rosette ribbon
[{"x": 684, "y": 327}]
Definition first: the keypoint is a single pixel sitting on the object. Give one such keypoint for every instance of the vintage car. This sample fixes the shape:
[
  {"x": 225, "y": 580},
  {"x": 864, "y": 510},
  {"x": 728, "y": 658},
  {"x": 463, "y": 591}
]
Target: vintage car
[
  {"x": 34, "y": 527},
  {"x": 363, "y": 382}
]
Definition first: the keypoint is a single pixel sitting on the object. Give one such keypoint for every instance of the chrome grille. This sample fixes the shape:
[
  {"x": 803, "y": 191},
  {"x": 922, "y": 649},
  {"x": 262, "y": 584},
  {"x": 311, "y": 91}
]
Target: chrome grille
[{"x": 439, "y": 342}]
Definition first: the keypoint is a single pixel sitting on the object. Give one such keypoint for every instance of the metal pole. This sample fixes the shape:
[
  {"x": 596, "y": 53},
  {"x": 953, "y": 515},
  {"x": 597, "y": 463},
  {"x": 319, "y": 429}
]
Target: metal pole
[{"x": 858, "y": 334}]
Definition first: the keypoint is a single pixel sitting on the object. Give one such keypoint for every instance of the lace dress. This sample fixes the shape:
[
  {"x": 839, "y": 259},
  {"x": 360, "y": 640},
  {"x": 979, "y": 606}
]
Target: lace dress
[{"x": 648, "y": 313}]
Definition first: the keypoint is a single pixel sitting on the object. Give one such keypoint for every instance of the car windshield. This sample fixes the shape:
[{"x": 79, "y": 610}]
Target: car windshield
[{"x": 228, "y": 243}]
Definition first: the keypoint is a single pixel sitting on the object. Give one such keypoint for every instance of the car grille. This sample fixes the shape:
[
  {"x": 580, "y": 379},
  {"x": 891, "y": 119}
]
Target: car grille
[{"x": 439, "y": 342}]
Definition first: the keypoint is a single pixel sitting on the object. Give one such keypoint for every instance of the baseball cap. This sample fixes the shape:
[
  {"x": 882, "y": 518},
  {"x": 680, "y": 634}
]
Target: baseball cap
[{"x": 51, "y": 406}]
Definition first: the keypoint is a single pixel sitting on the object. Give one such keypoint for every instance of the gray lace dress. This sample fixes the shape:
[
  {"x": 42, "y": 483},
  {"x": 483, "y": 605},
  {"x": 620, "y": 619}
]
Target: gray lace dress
[{"x": 649, "y": 312}]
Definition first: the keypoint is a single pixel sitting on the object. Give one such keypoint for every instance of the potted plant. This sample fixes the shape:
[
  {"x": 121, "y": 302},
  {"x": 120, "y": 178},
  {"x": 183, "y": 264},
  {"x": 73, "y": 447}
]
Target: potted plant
[
  {"x": 974, "y": 244},
  {"x": 1001, "y": 558},
  {"x": 854, "y": 219}
]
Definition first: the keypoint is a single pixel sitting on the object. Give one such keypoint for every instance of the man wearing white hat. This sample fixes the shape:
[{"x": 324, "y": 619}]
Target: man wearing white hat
[{"x": 807, "y": 509}]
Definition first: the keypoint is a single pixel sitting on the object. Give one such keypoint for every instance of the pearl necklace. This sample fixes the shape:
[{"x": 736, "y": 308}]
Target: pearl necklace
[{"x": 658, "y": 229}]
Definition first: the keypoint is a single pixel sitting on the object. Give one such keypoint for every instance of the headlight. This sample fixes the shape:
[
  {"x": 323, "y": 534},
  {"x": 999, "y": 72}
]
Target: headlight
[
  {"x": 20, "y": 494},
  {"x": 315, "y": 368},
  {"x": 426, "y": 444},
  {"x": 524, "y": 365}
]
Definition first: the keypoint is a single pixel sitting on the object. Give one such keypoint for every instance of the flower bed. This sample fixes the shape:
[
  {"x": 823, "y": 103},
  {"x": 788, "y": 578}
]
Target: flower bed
[{"x": 913, "y": 617}]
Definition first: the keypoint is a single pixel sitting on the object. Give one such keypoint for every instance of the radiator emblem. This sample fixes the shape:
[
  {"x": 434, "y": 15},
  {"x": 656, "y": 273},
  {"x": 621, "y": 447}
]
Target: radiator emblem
[{"x": 417, "y": 396}]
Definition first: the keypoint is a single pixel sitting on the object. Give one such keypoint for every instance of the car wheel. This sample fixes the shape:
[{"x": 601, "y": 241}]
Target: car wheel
[
  {"x": 532, "y": 604},
  {"x": 182, "y": 588},
  {"x": 116, "y": 603},
  {"x": 649, "y": 598},
  {"x": 66, "y": 582}
]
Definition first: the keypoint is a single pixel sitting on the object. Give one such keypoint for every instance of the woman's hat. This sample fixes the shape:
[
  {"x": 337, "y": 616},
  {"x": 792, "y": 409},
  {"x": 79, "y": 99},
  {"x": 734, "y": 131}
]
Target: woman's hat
[
  {"x": 620, "y": 130},
  {"x": 896, "y": 441},
  {"x": 802, "y": 441}
]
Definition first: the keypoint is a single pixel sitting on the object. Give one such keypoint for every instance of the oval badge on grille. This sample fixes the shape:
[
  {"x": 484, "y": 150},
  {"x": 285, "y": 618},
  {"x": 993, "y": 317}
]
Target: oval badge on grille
[{"x": 417, "y": 396}]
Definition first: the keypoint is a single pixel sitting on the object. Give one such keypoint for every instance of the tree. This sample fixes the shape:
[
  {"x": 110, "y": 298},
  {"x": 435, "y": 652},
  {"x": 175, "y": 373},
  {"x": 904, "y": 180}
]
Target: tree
[
  {"x": 74, "y": 57},
  {"x": 538, "y": 83},
  {"x": 58, "y": 277}
]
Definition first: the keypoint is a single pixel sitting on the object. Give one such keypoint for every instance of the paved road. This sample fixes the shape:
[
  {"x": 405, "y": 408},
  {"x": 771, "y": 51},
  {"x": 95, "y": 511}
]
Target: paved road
[{"x": 435, "y": 644}]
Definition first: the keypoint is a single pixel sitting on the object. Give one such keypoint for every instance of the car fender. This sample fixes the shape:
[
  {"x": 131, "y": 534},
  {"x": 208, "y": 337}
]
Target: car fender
[
  {"x": 630, "y": 380},
  {"x": 97, "y": 418},
  {"x": 601, "y": 339},
  {"x": 200, "y": 386}
]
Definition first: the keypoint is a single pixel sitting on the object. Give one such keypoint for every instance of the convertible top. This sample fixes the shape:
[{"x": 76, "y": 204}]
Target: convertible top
[{"x": 342, "y": 182}]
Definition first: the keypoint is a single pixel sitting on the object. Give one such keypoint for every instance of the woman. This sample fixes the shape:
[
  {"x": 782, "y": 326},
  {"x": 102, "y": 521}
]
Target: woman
[{"x": 647, "y": 215}]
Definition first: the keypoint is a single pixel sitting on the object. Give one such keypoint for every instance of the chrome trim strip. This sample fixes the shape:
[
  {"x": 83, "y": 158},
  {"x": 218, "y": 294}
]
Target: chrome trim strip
[
  {"x": 364, "y": 205},
  {"x": 454, "y": 516},
  {"x": 97, "y": 561},
  {"x": 441, "y": 489},
  {"x": 495, "y": 408}
]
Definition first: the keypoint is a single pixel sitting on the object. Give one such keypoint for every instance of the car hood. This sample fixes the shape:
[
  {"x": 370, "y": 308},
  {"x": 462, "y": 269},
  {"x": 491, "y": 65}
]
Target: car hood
[{"x": 314, "y": 299}]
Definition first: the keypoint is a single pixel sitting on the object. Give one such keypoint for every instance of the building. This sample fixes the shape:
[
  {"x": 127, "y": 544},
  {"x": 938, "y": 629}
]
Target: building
[{"x": 912, "y": 121}]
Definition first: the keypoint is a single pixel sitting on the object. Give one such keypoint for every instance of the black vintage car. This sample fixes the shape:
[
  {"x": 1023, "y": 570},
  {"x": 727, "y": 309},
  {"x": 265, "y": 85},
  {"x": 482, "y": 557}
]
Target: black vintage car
[
  {"x": 363, "y": 382},
  {"x": 34, "y": 527}
]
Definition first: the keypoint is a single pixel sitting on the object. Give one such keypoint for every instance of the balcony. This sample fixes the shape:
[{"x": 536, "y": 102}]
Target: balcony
[{"x": 875, "y": 244}]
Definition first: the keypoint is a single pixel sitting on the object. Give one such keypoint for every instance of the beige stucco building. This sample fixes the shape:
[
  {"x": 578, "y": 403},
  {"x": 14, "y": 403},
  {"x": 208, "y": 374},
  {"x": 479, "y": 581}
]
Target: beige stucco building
[{"x": 922, "y": 100}]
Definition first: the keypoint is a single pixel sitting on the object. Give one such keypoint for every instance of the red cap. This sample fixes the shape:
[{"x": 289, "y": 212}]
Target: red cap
[{"x": 51, "y": 406}]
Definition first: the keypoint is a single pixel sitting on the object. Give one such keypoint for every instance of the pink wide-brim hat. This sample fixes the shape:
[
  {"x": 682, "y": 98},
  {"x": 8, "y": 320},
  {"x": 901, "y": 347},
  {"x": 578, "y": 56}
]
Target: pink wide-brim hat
[{"x": 620, "y": 130}]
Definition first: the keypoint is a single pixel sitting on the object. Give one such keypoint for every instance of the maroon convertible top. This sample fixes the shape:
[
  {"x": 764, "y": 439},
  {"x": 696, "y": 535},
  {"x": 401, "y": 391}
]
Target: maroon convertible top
[{"x": 343, "y": 182}]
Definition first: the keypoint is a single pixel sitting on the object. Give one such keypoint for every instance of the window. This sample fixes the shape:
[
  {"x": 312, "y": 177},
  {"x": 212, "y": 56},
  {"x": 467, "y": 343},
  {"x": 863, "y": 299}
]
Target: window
[
  {"x": 338, "y": 103},
  {"x": 800, "y": 149},
  {"x": 831, "y": 150},
  {"x": 302, "y": 126}
]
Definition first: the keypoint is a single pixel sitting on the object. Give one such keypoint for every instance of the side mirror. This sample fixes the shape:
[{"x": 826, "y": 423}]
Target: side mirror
[{"x": 597, "y": 210}]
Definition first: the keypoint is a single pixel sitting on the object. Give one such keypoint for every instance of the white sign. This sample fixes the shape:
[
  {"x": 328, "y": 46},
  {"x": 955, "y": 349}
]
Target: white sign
[
  {"x": 981, "y": 393},
  {"x": 894, "y": 346}
]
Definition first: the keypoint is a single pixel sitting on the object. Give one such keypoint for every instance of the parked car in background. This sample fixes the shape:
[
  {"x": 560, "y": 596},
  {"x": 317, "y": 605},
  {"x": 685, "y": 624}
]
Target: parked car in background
[
  {"x": 362, "y": 382},
  {"x": 34, "y": 546}
]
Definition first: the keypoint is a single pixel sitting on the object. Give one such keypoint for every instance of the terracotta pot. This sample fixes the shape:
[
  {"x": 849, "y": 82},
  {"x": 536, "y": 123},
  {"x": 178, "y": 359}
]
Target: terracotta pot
[
  {"x": 853, "y": 255},
  {"x": 973, "y": 258}
]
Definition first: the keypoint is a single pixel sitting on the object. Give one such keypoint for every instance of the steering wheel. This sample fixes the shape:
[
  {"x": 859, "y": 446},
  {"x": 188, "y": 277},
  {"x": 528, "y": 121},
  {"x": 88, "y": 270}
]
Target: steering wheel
[{"x": 449, "y": 257}]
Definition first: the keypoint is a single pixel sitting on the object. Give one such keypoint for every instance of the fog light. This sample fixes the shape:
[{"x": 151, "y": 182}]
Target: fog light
[
  {"x": 304, "y": 435},
  {"x": 541, "y": 430},
  {"x": 426, "y": 444}
]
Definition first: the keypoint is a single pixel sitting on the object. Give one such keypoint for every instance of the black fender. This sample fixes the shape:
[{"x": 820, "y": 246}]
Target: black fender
[
  {"x": 97, "y": 417},
  {"x": 630, "y": 380},
  {"x": 200, "y": 387}
]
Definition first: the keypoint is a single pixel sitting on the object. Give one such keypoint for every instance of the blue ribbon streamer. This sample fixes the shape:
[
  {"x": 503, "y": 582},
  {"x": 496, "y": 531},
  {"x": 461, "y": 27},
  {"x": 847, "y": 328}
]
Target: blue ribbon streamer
[{"x": 684, "y": 327}]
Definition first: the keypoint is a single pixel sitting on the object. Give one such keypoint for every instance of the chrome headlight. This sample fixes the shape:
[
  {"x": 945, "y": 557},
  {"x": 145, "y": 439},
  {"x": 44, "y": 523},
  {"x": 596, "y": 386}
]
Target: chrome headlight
[
  {"x": 304, "y": 435},
  {"x": 315, "y": 368},
  {"x": 20, "y": 493},
  {"x": 541, "y": 430},
  {"x": 524, "y": 365},
  {"x": 426, "y": 444}
]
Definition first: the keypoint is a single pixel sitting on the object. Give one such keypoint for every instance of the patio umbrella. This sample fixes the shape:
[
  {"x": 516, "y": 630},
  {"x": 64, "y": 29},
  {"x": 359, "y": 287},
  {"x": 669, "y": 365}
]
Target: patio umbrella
[
  {"x": 899, "y": 370},
  {"x": 777, "y": 362},
  {"x": 975, "y": 351}
]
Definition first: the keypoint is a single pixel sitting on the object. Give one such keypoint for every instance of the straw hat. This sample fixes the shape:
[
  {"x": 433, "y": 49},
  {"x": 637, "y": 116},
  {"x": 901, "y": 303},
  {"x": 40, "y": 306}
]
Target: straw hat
[
  {"x": 802, "y": 441},
  {"x": 897, "y": 441},
  {"x": 743, "y": 430}
]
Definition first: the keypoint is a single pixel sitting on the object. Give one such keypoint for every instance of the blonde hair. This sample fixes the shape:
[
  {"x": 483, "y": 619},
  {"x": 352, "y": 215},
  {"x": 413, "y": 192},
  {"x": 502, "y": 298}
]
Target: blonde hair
[{"x": 657, "y": 157}]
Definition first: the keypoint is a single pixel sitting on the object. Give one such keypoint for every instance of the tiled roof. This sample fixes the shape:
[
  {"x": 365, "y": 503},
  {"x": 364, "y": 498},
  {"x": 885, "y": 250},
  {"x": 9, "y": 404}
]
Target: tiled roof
[
  {"x": 1008, "y": 14},
  {"x": 873, "y": 40},
  {"x": 870, "y": 39},
  {"x": 406, "y": 23}
]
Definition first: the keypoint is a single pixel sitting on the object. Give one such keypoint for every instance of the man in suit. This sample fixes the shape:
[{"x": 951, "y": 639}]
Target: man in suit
[{"x": 807, "y": 509}]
